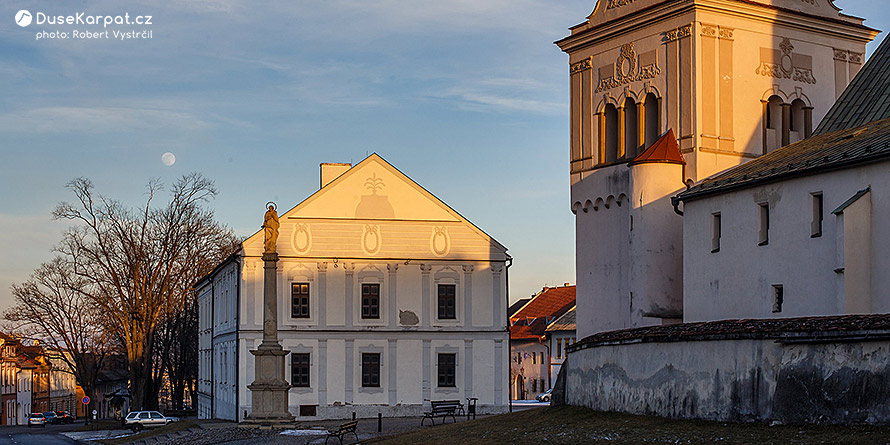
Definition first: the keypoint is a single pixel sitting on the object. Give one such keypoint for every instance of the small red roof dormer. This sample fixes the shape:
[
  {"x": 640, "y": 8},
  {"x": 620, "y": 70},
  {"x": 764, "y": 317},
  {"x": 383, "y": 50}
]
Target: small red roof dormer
[{"x": 664, "y": 150}]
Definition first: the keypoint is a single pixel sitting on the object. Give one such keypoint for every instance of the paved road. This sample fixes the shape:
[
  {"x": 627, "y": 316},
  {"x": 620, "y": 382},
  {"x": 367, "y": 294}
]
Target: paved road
[{"x": 50, "y": 435}]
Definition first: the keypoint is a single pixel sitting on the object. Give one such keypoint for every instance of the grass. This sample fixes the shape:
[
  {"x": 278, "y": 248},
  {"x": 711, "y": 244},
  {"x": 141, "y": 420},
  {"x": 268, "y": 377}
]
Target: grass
[
  {"x": 151, "y": 432},
  {"x": 575, "y": 425}
]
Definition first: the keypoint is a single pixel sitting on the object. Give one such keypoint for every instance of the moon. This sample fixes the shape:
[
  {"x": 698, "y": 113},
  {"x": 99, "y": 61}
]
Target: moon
[{"x": 168, "y": 159}]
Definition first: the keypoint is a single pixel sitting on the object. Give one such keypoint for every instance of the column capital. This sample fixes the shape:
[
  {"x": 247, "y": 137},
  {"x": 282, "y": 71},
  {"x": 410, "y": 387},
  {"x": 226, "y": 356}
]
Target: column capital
[{"x": 468, "y": 268}]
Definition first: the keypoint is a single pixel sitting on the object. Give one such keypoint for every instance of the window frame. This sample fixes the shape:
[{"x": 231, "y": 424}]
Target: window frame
[
  {"x": 303, "y": 366},
  {"x": 763, "y": 225},
  {"x": 371, "y": 369},
  {"x": 778, "y": 297},
  {"x": 442, "y": 311},
  {"x": 302, "y": 305},
  {"x": 446, "y": 372},
  {"x": 369, "y": 309},
  {"x": 818, "y": 207},
  {"x": 716, "y": 231}
]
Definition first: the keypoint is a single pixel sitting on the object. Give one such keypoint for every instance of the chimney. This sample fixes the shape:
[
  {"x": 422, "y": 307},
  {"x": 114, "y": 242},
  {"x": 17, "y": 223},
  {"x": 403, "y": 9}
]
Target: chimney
[{"x": 331, "y": 171}]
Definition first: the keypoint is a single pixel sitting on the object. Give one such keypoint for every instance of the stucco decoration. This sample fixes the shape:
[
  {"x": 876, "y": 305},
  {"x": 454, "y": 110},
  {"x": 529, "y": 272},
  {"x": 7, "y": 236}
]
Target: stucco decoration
[
  {"x": 440, "y": 242},
  {"x": 618, "y": 3},
  {"x": 585, "y": 64},
  {"x": 371, "y": 239},
  {"x": 375, "y": 205},
  {"x": 628, "y": 68},
  {"x": 301, "y": 240},
  {"x": 677, "y": 34},
  {"x": 783, "y": 63}
]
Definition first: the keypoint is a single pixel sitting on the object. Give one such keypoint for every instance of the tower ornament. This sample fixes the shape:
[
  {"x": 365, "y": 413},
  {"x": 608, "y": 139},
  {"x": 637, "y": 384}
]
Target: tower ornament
[{"x": 628, "y": 70}]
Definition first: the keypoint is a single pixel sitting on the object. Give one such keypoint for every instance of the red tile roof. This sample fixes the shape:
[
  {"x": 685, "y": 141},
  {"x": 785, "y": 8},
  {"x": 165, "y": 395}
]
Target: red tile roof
[
  {"x": 550, "y": 304},
  {"x": 665, "y": 149}
]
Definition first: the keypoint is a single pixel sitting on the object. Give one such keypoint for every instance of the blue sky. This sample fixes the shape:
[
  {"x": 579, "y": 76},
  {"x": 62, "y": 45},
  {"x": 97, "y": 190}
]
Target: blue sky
[{"x": 467, "y": 97}]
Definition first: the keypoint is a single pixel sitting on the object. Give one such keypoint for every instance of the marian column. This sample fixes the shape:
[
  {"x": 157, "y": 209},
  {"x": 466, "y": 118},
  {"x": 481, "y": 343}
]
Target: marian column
[{"x": 269, "y": 388}]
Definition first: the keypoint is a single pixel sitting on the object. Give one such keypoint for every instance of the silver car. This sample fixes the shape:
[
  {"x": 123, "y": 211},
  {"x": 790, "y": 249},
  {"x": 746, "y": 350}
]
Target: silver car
[
  {"x": 137, "y": 420},
  {"x": 36, "y": 419}
]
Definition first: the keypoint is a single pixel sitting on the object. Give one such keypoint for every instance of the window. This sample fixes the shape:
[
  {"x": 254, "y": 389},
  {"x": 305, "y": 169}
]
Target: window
[
  {"x": 630, "y": 129},
  {"x": 447, "y": 364},
  {"x": 542, "y": 357},
  {"x": 609, "y": 129},
  {"x": 534, "y": 385},
  {"x": 370, "y": 301},
  {"x": 518, "y": 357},
  {"x": 763, "y": 233},
  {"x": 299, "y": 370},
  {"x": 653, "y": 127},
  {"x": 778, "y": 298},
  {"x": 816, "y": 225},
  {"x": 299, "y": 300},
  {"x": 371, "y": 370},
  {"x": 559, "y": 348},
  {"x": 447, "y": 302},
  {"x": 534, "y": 359},
  {"x": 715, "y": 232}
]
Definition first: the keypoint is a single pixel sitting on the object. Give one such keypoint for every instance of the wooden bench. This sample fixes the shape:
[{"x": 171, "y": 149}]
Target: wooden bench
[
  {"x": 342, "y": 430},
  {"x": 442, "y": 408}
]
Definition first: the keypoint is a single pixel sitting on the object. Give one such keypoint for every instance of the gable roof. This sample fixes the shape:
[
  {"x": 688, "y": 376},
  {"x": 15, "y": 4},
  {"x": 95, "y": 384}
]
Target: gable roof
[
  {"x": 824, "y": 152},
  {"x": 866, "y": 98},
  {"x": 551, "y": 303},
  {"x": 564, "y": 323},
  {"x": 664, "y": 150},
  {"x": 433, "y": 202}
]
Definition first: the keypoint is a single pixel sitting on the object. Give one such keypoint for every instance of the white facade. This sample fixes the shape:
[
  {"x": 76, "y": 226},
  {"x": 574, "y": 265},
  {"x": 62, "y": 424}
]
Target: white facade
[
  {"x": 733, "y": 80},
  {"x": 826, "y": 269},
  {"x": 370, "y": 253},
  {"x": 23, "y": 395}
]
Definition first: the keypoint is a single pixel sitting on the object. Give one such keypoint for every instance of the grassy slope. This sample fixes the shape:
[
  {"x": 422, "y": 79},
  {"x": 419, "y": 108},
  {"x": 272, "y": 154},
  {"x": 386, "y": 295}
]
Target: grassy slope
[{"x": 577, "y": 425}]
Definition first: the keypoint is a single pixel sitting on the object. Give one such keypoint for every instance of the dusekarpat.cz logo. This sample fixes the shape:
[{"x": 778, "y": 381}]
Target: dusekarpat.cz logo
[{"x": 23, "y": 18}]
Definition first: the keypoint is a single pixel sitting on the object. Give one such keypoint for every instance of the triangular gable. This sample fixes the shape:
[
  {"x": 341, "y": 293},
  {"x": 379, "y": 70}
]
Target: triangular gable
[{"x": 374, "y": 190}]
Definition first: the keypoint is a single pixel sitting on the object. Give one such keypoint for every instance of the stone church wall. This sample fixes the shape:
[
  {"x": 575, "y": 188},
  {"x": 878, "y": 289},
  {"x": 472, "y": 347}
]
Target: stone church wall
[{"x": 793, "y": 379}]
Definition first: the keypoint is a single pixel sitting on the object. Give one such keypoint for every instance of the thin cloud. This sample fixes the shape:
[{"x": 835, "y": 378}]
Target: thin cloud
[{"x": 97, "y": 120}]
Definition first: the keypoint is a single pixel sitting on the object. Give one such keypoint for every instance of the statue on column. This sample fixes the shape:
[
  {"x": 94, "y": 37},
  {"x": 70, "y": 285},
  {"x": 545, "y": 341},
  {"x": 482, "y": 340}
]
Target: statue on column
[{"x": 270, "y": 229}]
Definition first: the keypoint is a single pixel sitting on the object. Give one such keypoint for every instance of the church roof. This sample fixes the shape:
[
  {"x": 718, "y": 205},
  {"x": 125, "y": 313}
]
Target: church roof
[
  {"x": 531, "y": 321},
  {"x": 828, "y": 151},
  {"x": 665, "y": 150},
  {"x": 866, "y": 98}
]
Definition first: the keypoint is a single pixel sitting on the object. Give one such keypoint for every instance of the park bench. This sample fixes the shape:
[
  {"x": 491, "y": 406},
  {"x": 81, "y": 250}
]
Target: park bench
[
  {"x": 342, "y": 430},
  {"x": 442, "y": 408}
]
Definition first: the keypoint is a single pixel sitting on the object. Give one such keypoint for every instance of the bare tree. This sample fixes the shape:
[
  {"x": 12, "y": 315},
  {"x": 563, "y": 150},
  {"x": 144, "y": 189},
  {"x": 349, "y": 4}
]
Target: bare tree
[
  {"x": 142, "y": 263},
  {"x": 54, "y": 306}
]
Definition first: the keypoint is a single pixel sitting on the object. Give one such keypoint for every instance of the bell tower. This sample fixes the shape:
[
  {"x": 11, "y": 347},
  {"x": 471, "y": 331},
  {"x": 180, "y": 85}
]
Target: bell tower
[{"x": 666, "y": 93}]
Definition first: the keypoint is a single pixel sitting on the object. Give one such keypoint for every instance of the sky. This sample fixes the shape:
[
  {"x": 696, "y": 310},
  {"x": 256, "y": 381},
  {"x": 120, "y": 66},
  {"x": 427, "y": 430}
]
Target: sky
[{"x": 467, "y": 97}]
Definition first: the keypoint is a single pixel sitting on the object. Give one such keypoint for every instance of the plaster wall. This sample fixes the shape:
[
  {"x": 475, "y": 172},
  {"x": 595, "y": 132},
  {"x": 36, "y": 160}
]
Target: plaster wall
[
  {"x": 815, "y": 272},
  {"x": 735, "y": 380}
]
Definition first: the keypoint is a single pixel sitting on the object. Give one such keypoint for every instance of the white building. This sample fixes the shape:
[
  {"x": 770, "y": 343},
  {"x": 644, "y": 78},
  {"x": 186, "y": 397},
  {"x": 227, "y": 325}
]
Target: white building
[
  {"x": 388, "y": 299},
  {"x": 669, "y": 93},
  {"x": 24, "y": 381},
  {"x": 800, "y": 231}
]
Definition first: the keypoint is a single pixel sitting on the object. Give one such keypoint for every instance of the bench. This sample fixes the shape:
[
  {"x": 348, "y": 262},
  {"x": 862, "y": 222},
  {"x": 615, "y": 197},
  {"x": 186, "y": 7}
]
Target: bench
[
  {"x": 342, "y": 430},
  {"x": 442, "y": 408}
]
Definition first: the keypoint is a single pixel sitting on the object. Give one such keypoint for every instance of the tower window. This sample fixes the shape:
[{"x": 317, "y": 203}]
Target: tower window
[
  {"x": 763, "y": 233},
  {"x": 816, "y": 225},
  {"x": 778, "y": 298},
  {"x": 370, "y": 301},
  {"x": 715, "y": 232}
]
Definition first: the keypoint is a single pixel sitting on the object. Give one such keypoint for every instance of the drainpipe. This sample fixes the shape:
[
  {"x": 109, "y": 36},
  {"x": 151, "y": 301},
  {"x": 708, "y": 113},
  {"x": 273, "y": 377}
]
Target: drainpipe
[
  {"x": 509, "y": 340},
  {"x": 237, "y": 326}
]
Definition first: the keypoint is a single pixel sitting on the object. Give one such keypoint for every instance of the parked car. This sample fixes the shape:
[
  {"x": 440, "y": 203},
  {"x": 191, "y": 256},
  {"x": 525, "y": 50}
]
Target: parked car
[
  {"x": 137, "y": 420},
  {"x": 544, "y": 396},
  {"x": 36, "y": 419},
  {"x": 64, "y": 417},
  {"x": 50, "y": 417}
]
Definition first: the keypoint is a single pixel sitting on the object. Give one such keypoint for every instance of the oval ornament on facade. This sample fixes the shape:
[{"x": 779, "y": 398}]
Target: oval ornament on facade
[
  {"x": 440, "y": 243},
  {"x": 371, "y": 239},
  {"x": 302, "y": 238}
]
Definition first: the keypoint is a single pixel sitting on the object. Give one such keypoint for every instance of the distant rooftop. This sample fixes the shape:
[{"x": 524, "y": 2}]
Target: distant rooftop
[
  {"x": 551, "y": 303},
  {"x": 564, "y": 323}
]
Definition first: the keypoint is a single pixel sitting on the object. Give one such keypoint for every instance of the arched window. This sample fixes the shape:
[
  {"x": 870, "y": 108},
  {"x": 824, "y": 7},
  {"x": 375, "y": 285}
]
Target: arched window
[
  {"x": 798, "y": 124},
  {"x": 653, "y": 126},
  {"x": 631, "y": 128},
  {"x": 610, "y": 150}
]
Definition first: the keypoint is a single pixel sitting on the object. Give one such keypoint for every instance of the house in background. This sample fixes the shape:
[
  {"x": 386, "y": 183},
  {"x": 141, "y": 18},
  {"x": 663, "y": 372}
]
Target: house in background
[
  {"x": 530, "y": 353},
  {"x": 387, "y": 299},
  {"x": 560, "y": 334},
  {"x": 24, "y": 382}
]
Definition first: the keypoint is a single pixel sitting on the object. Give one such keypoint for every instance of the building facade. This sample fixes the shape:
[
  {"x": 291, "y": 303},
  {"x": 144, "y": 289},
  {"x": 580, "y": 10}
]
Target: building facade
[
  {"x": 387, "y": 299},
  {"x": 560, "y": 333},
  {"x": 731, "y": 79},
  {"x": 530, "y": 347}
]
